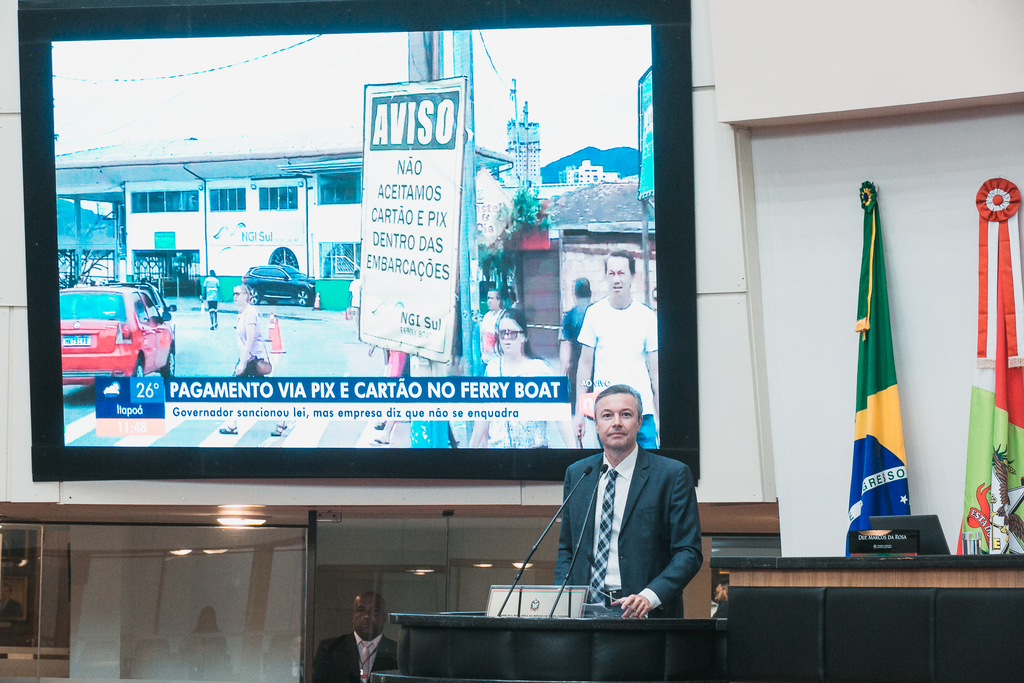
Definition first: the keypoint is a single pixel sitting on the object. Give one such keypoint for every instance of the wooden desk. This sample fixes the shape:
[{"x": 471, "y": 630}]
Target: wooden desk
[
  {"x": 882, "y": 619},
  {"x": 922, "y": 571}
]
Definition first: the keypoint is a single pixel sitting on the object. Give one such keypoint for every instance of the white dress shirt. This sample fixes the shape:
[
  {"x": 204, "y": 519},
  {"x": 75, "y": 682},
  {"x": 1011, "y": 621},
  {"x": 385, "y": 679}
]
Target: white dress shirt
[
  {"x": 375, "y": 643},
  {"x": 613, "y": 577}
]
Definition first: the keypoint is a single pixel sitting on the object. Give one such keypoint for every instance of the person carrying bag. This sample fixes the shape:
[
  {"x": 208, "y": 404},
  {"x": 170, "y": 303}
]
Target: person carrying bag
[{"x": 253, "y": 359}]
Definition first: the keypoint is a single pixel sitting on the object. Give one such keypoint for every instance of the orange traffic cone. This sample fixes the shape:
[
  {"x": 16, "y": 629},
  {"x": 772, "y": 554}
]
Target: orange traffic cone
[
  {"x": 316, "y": 302},
  {"x": 275, "y": 335}
]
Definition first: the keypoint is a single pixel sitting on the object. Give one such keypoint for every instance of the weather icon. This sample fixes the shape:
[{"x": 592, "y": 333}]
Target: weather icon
[{"x": 113, "y": 389}]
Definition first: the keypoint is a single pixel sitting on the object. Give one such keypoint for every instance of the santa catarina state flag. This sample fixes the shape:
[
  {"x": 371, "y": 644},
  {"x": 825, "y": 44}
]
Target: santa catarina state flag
[
  {"x": 879, "y": 482},
  {"x": 993, "y": 488}
]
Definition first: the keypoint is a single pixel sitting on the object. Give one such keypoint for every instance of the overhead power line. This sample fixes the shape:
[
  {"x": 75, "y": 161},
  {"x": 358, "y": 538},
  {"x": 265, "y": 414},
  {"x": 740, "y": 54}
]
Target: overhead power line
[
  {"x": 193, "y": 73},
  {"x": 488, "y": 53}
]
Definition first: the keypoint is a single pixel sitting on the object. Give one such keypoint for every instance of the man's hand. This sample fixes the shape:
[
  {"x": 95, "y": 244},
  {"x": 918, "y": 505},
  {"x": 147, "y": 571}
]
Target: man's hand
[
  {"x": 577, "y": 422},
  {"x": 634, "y": 606}
]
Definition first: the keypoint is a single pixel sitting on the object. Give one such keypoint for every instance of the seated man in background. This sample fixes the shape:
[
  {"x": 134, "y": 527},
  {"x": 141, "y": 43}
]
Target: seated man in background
[
  {"x": 722, "y": 598},
  {"x": 352, "y": 657}
]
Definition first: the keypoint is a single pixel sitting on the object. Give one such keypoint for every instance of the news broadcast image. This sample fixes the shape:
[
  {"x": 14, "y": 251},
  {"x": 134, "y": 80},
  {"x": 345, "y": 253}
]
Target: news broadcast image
[{"x": 402, "y": 240}]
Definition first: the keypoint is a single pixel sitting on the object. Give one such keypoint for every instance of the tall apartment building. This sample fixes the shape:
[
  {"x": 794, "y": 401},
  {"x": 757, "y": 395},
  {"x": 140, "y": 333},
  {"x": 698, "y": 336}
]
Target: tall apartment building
[{"x": 524, "y": 147}]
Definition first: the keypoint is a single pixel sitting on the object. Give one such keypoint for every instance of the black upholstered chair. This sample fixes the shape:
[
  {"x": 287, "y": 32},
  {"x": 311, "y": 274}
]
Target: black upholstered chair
[
  {"x": 878, "y": 635},
  {"x": 978, "y": 634},
  {"x": 776, "y": 634}
]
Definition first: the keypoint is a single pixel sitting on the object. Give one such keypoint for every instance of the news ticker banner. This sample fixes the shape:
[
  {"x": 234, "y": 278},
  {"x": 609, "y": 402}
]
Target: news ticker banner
[{"x": 135, "y": 406}]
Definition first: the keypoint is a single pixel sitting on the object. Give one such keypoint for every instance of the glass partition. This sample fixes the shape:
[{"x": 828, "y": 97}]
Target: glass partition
[
  {"x": 154, "y": 602},
  {"x": 23, "y": 653},
  {"x": 444, "y": 564}
]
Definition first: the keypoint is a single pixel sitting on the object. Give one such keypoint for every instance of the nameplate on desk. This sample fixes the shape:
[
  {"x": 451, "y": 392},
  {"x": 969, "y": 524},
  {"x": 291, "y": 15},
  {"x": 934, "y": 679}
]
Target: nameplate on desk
[
  {"x": 879, "y": 542},
  {"x": 536, "y": 601}
]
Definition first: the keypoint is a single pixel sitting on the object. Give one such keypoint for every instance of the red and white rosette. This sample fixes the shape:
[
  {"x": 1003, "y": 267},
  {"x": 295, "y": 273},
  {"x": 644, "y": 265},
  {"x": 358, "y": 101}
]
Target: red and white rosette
[
  {"x": 999, "y": 272},
  {"x": 998, "y": 199}
]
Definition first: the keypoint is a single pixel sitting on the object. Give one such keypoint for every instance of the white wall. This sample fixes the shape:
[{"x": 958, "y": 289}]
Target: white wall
[
  {"x": 187, "y": 226},
  {"x": 928, "y": 170},
  {"x": 331, "y": 223},
  {"x": 779, "y": 230},
  {"x": 736, "y": 450},
  {"x": 802, "y": 60},
  {"x": 816, "y": 65}
]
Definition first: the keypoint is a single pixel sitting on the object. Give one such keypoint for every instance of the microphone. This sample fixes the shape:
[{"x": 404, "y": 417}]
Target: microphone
[
  {"x": 575, "y": 552},
  {"x": 586, "y": 472}
]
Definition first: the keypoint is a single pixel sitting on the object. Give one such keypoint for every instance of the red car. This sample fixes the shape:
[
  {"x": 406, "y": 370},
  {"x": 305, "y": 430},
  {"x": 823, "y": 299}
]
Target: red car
[{"x": 114, "y": 331}]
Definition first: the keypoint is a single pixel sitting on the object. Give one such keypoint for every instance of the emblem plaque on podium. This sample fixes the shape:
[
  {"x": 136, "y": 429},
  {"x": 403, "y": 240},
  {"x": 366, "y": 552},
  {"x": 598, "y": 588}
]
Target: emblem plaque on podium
[{"x": 536, "y": 601}]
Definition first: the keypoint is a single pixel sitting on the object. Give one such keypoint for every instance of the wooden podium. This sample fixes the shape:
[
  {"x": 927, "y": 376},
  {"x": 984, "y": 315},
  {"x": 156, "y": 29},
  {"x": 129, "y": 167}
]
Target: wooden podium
[
  {"x": 921, "y": 571},
  {"x": 435, "y": 648},
  {"x": 881, "y": 619}
]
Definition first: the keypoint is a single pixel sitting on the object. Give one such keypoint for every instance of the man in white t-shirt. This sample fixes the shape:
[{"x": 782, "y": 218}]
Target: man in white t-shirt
[{"x": 619, "y": 340}]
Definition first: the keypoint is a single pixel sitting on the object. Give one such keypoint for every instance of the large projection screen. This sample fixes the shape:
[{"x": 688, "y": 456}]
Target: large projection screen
[{"x": 355, "y": 239}]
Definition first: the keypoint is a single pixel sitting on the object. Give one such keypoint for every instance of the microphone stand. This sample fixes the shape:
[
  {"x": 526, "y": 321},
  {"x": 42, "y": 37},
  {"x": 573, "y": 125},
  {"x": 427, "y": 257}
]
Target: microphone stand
[
  {"x": 575, "y": 553},
  {"x": 586, "y": 472}
]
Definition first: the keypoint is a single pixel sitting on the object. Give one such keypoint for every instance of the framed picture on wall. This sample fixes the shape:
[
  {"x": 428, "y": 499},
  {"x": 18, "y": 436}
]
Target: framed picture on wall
[
  {"x": 14, "y": 544},
  {"x": 13, "y": 597}
]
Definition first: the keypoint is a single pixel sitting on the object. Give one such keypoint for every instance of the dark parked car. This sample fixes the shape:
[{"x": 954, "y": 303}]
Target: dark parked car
[
  {"x": 276, "y": 284},
  {"x": 162, "y": 307}
]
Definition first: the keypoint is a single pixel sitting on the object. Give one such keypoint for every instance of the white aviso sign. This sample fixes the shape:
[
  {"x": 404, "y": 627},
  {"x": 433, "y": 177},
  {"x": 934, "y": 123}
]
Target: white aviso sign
[{"x": 413, "y": 144}]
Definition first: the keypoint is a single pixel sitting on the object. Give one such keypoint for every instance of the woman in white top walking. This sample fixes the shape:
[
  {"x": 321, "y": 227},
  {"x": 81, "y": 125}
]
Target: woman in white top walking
[{"x": 252, "y": 349}]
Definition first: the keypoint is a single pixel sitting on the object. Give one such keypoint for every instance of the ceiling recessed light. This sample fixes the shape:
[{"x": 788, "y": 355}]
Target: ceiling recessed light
[
  {"x": 183, "y": 551},
  {"x": 216, "y": 552},
  {"x": 519, "y": 565},
  {"x": 483, "y": 565},
  {"x": 240, "y": 521}
]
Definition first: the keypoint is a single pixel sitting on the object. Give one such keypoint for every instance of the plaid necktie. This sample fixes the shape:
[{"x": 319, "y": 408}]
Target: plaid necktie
[{"x": 604, "y": 539}]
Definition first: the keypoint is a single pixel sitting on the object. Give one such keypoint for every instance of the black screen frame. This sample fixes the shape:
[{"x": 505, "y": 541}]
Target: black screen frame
[{"x": 44, "y": 21}]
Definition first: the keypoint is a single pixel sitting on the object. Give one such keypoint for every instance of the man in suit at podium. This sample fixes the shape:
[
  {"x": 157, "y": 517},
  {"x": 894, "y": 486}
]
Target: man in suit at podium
[
  {"x": 647, "y": 544},
  {"x": 352, "y": 657}
]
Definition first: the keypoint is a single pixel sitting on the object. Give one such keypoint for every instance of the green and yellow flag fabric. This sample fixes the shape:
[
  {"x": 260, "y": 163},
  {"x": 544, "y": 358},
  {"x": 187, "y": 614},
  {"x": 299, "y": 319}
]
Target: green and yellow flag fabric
[{"x": 879, "y": 482}]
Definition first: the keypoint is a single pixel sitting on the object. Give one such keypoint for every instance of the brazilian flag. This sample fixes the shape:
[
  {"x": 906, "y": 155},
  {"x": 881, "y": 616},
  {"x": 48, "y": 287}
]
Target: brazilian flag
[{"x": 879, "y": 482}]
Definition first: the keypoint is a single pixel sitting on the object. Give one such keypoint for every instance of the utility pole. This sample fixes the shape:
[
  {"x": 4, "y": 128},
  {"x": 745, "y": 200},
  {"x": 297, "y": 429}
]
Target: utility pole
[
  {"x": 517, "y": 166},
  {"x": 426, "y": 61},
  {"x": 463, "y": 45}
]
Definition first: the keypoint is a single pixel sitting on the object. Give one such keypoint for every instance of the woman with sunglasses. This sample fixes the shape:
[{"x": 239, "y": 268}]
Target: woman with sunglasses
[{"x": 516, "y": 359}]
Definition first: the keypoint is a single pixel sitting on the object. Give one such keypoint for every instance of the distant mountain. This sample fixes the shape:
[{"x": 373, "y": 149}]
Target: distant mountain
[
  {"x": 91, "y": 221},
  {"x": 621, "y": 160}
]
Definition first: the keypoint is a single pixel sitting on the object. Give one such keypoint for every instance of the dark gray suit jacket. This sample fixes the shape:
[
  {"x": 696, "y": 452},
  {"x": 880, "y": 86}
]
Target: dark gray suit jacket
[
  {"x": 337, "y": 659},
  {"x": 659, "y": 542}
]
